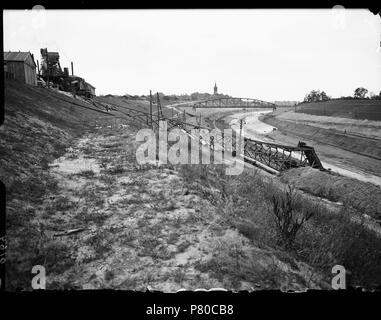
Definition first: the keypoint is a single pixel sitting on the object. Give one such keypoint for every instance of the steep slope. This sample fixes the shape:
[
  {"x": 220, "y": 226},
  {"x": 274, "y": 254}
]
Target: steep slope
[
  {"x": 38, "y": 126},
  {"x": 351, "y": 108},
  {"x": 79, "y": 204}
]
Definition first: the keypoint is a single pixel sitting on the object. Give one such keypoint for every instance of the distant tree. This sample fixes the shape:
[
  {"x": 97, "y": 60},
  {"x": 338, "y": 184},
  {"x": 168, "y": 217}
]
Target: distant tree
[
  {"x": 194, "y": 96},
  {"x": 311, "y": 97},
  {"x": 315, "y": 96},
  {"x": 360, "y": 93},
  {"x": 324, "y": 97}
]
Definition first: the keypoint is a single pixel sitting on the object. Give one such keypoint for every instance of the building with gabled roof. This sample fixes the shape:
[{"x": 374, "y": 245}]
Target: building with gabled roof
[{"x": 20, "y": 66}]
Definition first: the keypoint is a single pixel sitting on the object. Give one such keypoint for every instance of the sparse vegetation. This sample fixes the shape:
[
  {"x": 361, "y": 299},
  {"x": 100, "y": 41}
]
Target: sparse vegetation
[
  {"x": 364, "y": 197},
  {"x": 99, "y": 243},
  {"x": 231, "y": 231},
  {"x": 308, "y": 232},
  {"x": 288, "y": 220},
  {"x": 346, "y": 108}
]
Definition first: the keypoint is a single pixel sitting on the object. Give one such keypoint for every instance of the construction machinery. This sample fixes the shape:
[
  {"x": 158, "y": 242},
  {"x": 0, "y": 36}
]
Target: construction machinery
[{"x": 52, "y": 73}]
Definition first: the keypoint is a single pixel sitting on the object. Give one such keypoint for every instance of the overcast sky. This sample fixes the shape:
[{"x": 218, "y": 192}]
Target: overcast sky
[{"x": 263, "y": 54}]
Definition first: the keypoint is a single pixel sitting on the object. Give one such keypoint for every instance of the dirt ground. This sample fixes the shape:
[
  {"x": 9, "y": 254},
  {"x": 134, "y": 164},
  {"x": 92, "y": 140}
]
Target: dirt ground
[
  {"x": 81, "y": 206},
  {"x": 143, "y": 226},
  {"x": 78, "y": 203}
]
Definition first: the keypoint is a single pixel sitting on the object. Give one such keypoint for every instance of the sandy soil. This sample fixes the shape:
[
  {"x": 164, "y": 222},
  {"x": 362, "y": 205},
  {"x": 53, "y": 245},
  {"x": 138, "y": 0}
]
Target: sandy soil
[{"x": 143, "y": 226}]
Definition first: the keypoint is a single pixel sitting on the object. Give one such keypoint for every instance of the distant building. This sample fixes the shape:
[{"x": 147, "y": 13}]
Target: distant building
[
  {"x": 20, "y": 66},
  {"x": 215, "y": 88},
  {"x": 91, "y": 89}
]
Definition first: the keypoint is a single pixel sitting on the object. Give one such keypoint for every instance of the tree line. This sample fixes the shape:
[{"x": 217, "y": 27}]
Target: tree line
[{"x": 359, "y": 93}]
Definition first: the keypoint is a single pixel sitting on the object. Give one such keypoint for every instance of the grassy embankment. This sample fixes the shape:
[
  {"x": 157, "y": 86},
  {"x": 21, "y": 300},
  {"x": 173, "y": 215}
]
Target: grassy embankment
[
  {"x": 273, "y": 222},
  {"x": 352, "y": 108},
  {"x": 267, "y": 217},
  {"x": 38, "y": 128}
]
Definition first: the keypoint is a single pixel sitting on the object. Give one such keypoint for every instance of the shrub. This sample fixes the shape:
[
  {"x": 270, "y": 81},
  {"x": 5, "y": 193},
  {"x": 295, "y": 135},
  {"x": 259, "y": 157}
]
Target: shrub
[
  {"x": 330, "y": 239},
  {"x": 288, "y": 220}
]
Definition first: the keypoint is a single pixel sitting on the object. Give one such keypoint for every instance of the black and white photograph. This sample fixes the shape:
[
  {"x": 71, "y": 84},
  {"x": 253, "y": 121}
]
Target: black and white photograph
[{"x": 195, "y": 149}]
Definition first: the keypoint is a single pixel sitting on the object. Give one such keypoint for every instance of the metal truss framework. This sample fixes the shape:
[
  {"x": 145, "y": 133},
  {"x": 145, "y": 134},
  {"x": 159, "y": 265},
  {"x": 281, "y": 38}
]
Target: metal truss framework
[
  {"x": 276, "y": 156},
  {"x": 233, "y": 103},
  {"x": 281, "y": 157}
]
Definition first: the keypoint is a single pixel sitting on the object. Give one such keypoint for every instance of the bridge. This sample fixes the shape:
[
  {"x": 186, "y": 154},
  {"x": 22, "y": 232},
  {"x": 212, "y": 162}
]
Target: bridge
[{"x": 233, "y": 103}]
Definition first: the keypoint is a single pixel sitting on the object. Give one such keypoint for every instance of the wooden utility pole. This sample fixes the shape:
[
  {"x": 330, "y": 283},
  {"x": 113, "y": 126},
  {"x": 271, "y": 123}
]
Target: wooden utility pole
[
  {"x": 47, "y": 66},
  {"x": 150, "y": 106},
  {"x": 38, "y": 68},
  {"x": 240, "y": 138},
  {"x": 159, "y": 112},
  {"x": 223, "y": 141}
]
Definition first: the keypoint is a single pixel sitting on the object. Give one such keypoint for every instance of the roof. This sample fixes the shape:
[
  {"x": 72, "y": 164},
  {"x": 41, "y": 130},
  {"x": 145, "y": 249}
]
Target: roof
[
  {"x": 17, "y": 56},
  {"x": 90, "y": 85}
]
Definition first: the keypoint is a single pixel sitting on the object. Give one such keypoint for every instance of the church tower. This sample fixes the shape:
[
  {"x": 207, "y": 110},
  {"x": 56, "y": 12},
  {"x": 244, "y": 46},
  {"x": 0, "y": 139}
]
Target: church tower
[{"x": 215, "y": 88}]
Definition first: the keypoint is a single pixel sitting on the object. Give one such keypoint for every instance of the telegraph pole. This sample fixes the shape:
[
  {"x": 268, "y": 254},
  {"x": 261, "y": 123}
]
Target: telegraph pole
[
  {"x": 159, "y": 112},
  {"x": 38, "y": 68},
  {"x": 150, "y": 106},
  {"x": 240, "y": 137},
  {"x": 47, "y": 66}
]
